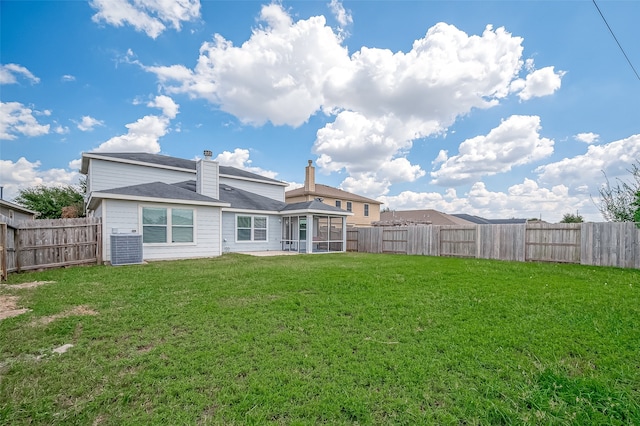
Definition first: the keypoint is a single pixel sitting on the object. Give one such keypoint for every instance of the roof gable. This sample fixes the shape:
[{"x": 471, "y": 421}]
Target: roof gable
[
  {"x": 16, "y": 207},
  {"x": 331, "y": 192}
]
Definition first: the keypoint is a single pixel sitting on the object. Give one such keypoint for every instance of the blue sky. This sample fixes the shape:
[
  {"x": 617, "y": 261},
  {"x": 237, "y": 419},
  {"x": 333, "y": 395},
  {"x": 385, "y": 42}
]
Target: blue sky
[{"x": 500, "y": 109}]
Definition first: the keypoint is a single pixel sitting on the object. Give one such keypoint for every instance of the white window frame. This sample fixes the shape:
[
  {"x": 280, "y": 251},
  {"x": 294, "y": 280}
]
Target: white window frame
[
  {"x": 366, "y": 210},
  {"x": 339, "y": 204},
  {"x": 169, "y": 224},
  {"x": 253, "y": 228},
  {"x": 349, "y": 206}
]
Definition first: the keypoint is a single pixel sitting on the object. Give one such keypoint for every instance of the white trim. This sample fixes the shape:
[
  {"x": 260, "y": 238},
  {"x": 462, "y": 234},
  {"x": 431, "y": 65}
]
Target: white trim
[
  {"x": 137, "y": 163},
  {"x": 253, "y": 228},
  {"x": 323, "y": 212},
  {"x": 107, "y": 195},
  {"x": 105, "y": 235},
  {"x": 253, "y": 212},
  {"x": 272, "y": 182},
  {"x": 169, "y": 226}
]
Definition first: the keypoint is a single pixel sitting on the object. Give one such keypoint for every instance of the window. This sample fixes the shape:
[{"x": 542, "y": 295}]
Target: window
[
  {"x": 154, "y": 225},
  {"x": 160, "y": 225},
  {"x": 339, "y": 204},
  {"x": 181, "y": 226},
  {"x": 349, "y": 206},
  {"x": 366, "y": 210},
  {"x": 251, "y": 228}
]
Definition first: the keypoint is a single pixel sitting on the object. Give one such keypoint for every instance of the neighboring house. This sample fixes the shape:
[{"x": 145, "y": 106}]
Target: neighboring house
[
  {"x": 187, "y": 209},
  {"x": 365, "y": 210},
  {"x": 15, "y": 212},
  {"x": 482, "y": 221},
  {"x": 419, "y": 217}
]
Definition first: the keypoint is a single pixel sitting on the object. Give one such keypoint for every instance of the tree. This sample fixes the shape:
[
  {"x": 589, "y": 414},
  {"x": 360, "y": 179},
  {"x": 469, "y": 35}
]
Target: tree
[
  {"x": 636, "y": 204},
  {"x": 616, "y": 202},
  {"x": 49, "y": 201},
  {"x": 572, "y": 218}
]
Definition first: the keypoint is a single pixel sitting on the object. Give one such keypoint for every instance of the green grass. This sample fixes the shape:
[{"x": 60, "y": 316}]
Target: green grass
[{"x": 336, "y": 339}]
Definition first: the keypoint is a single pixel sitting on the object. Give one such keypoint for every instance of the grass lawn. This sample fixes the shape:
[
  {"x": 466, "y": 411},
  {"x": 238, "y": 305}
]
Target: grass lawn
[{"x": 336, "y": 339}]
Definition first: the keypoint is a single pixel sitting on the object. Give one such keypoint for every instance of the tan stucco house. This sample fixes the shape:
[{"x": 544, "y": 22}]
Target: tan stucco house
[{"x": 365, "y": 210}]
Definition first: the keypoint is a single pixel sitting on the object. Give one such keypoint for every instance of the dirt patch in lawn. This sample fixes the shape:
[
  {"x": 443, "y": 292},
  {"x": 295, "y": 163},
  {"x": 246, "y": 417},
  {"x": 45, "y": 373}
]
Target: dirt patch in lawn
[
  {"x": 73, "y": 312},
  {"x": 9, "y": 304},
  {"x": 22, "y": 286},
  {"x": 9, "y": 307}
]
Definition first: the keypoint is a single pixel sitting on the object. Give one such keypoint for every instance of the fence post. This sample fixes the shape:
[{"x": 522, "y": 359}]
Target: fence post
[
  {"x": 3, "y": 251},
  {"x": 16, "y": 243},
  {"x": 99, "y": 242}
]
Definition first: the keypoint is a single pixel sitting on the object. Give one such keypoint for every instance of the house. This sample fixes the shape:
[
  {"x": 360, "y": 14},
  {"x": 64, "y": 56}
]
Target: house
[
  {"x": 365, "y": 210},
  {"x": 15, "y": 212},
  {"x": 187, "y": 209},
  {"x": 482, "y": 221},
  {"x": 419, "y": 217}
]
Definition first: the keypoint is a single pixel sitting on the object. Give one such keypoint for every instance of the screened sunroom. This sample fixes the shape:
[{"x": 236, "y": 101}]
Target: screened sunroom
[{"x": 313, "y": 233}]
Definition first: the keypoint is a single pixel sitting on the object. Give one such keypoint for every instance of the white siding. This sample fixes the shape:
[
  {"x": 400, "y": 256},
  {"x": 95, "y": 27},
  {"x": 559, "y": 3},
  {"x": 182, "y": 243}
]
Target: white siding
[
  {"x": 274, "y": 233},
  {"x": 106, "y": 175},
  {"x": 207, "y": 178},
  {"x": 265, "y": 189},
  {"x": 125, "y": 215}
]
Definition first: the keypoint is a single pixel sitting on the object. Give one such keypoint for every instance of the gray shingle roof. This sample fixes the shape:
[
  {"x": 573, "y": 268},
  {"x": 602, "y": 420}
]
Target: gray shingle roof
[
  {"x": 240, "y": 199},
  {"x": 331, "y": 192},
  {"x": 165, "y": 160},
  {"x": 160, "y": 190},
  {"x": 425, "y": 216},
  {"x": 313, "y": 205},
  {"x": 235, "y": 197},
  {"x": 482, "y": 221}
]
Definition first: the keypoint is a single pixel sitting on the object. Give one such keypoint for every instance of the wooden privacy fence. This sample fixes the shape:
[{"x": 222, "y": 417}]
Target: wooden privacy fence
[
  {"x": 49, "y": 243},
  {"x": 600, "y": 244}
]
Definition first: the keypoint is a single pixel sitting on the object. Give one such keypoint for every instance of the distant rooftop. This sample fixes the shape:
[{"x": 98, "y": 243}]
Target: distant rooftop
[{"x": 482, "y": 221}]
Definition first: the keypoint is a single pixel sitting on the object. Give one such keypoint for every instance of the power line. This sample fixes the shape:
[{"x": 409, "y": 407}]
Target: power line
[{"x": 616, "y": 39}]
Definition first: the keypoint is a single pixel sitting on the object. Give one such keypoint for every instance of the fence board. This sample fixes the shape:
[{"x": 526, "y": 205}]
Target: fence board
[
  {"x": 458, "y": 241},
  {"x": 51, "y": 243},
  {"x": 394, "y": 240},
  {"x": 553, "y": 242},
  {"x": 352, "y": 240},
  {"x": 503, "y": 242},
  {"x": 600, "y": 244}
]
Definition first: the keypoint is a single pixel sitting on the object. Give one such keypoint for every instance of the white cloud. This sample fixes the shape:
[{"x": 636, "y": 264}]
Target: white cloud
[
  {"x": 16, "y": 119},
  {"x": 149, "y": 16},
  {"x": 560, "y": 188},
  {"x": 166, "y": 104},
  {"x": 88, "y": 123},
  {"x": 443, "y": 76},
  {"x": 542, "y": 82},
  {"x": 587, "y": 137},
  {"x": 8, "y": 74},
  {"x": 526, "y": 200},
  {"x": 516, "y": 141},
  {"x": 381, "y": 101},
  {"x": 614, "y": 158},
  {"x": 239, "y": 158},
  {"x": 145, "y": 133},
  {"x": 277, "y": 75},
  {"x": 343, "y": 16},
  {"x": 142, "y": 136},
  {"x": 67, "y": 78},
  {"x": 61, "y": 130},
  {"x": 24, "y": 174}
]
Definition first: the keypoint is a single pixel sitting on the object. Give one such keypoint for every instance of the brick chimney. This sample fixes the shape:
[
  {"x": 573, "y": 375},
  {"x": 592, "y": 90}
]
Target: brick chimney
[{"x": 310, "y": 178}]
